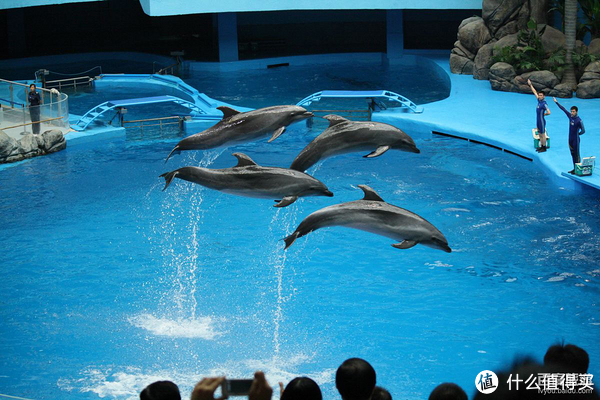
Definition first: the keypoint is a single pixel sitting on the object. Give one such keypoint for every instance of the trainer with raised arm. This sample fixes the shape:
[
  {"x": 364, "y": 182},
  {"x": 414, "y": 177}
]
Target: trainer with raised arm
[
  {"x": 541, "y": 111},
  {"x": 576, "y": 128}
]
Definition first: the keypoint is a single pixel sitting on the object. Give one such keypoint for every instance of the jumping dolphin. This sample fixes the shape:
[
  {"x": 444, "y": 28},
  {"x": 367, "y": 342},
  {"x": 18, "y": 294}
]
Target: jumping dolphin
[
  {"x": 373, "y": 214},
  {"x": 251, "y": 180},
  {"x": 344, "y": 136},
  {"x": 240, "y": 127}
]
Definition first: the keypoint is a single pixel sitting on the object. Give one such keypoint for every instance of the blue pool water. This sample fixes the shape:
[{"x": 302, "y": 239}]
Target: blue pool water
[{"x": 109, "y": 283}]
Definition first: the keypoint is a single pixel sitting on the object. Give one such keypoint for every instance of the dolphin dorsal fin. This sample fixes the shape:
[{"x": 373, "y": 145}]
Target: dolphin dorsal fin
[
  {"x": 243, "y": 160},
  {"x": 228, "y": 111},
  {"x": 334, "y": 119},
  {"x": 370, "y": 194}
]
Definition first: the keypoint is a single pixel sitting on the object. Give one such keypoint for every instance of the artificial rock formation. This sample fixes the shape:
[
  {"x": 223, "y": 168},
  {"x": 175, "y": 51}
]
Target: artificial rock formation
[
  {"x": 480, "y": 39},
  {"x": 589, "y": 84},
  {"x": 503, "y": 77},
  {"x": 500, "y": 18},
  {"x": 594, "y": 47},
  {"x": 30, "y": 145}
]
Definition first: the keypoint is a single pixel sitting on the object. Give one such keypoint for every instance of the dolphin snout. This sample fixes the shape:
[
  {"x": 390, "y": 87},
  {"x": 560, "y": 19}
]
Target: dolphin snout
[
  {"x": 308, "y": 114},
  {"x": 415, "y": 150},
  {"x": 328, "y": 193}
]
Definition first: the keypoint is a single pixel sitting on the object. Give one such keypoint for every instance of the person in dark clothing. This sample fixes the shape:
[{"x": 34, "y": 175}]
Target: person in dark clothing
[
  {"x": 448, "y": 391},
  {"x": 541, "y": 112},
  {"x": 302, "y": 388},
  {"x": 576, "y": 128},
  {"x": 355, "y": 379},
  {"x": 161, "y": 390},
  {"x": 569, "y": 358},
  {"x": 34, "y": 108}
]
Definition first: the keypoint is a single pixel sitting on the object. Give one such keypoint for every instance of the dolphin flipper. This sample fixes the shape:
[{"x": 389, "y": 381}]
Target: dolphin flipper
[
  {"x": 176, "y": 149},
  {"x": 407, "y": 244},
  {"x": 286, "y": 201},
  {"x": 277, "y": 133},
  {"x": 377, "y": 152},
  {"x": 169, "y": 177}
]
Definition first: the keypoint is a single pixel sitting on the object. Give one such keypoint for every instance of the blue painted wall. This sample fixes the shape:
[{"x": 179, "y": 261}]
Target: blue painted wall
[
  {"x": 178, "y": 7},
  {"x": 224, "y": 36},
  {"x": 6, "y": 4}
]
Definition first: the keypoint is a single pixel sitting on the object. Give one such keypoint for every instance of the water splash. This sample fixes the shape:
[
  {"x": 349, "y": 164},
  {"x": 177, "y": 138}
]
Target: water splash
[
  {"x": 286, "y": 219},
  {"x": 177, "y": 235},
  {"x": 125, "y": 383},
  {"x": 201, "y": 328}
]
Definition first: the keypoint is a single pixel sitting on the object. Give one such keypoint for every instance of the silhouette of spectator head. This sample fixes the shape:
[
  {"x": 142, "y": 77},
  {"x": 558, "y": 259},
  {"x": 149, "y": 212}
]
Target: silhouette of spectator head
[
  {"x": 355, "y": 379},
  {"x": 569, "y": 358},
  {"x": 448, "y": 391},
  {"x": 161, "y": 390},
  {"x": 302, "y": 388},
  {"x": 380, "y": 393}
]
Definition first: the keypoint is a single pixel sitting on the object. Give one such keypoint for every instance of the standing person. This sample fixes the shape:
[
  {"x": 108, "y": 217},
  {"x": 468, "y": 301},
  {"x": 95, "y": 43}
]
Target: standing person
[
  {"x": 34, "y": 108},
  {"x": 541, "y": 112},
  {"x": 576, "y": 128}
]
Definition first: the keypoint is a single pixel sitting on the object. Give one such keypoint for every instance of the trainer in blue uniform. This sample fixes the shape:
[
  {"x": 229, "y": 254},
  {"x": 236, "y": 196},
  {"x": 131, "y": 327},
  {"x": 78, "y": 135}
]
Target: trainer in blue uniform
[
  {"x": 541, "y": 112},
  {"x": 576, "y": 128}
]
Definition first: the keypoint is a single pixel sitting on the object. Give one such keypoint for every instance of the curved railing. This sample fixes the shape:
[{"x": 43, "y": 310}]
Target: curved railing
[
  {"x": 15, "y": 114},
  {"x": 369, "y": 94}
]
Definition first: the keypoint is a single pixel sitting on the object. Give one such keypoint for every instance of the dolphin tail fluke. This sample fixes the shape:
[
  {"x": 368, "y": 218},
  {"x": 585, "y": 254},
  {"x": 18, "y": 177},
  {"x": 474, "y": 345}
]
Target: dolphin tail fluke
[
  {"x": 176, "y": 149},
  {"x": 291, "y": 239},
  {"x": 168, "y": 178}
]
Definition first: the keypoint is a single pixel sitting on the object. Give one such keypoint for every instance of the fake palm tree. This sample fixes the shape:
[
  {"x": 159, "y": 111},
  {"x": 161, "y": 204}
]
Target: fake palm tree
[{"x": 570, "y": 32}]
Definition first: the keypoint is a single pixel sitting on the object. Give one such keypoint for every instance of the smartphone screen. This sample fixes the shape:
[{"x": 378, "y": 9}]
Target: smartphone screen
[{"x": 237, "y": 387}]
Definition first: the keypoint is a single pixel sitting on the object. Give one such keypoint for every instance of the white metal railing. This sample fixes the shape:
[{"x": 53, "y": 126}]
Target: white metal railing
[
  {"x": 15, "y": 113},
  {"x": 70, "y": 82}
]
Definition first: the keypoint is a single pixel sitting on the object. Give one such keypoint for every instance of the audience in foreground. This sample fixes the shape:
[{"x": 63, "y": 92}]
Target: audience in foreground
[{"x": 355, "y": 379}]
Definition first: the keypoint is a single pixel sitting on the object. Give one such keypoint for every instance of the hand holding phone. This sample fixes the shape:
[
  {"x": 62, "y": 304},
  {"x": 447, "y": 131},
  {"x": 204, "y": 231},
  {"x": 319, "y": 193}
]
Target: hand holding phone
[
  {"x": 260, "y": 389},
  {"x": 235, "y": 387},
  {"x": 205, "y": 389}
]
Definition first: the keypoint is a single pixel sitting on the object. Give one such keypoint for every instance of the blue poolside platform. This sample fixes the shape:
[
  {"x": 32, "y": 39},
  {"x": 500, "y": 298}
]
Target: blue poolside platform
[{"x": 504, "y": 120}]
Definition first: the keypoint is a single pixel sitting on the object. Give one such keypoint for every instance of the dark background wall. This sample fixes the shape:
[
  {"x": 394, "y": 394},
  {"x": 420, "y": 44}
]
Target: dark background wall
[{"x": 121, "y": 25}]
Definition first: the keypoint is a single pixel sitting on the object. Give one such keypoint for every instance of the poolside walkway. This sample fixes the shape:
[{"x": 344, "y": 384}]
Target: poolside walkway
[{"x": 475, "y": 111}]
